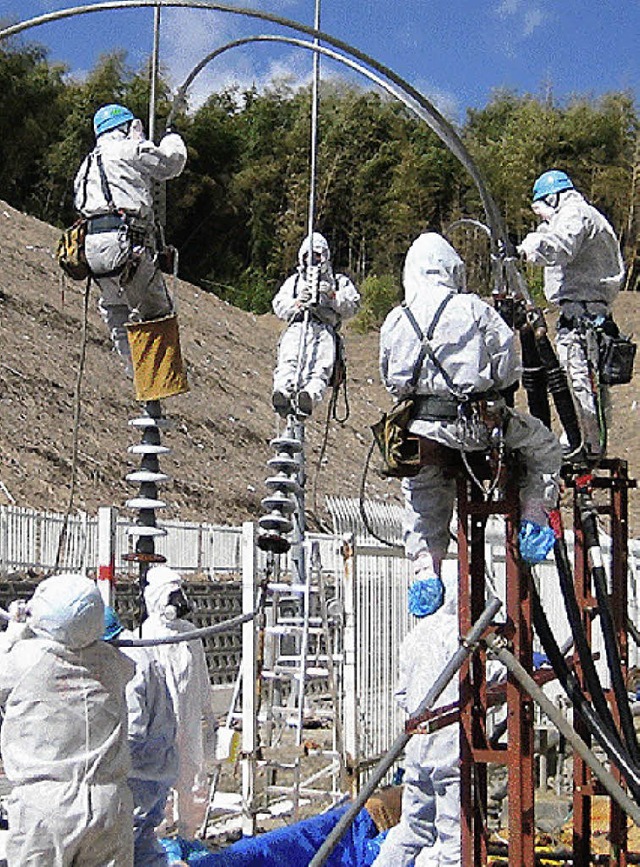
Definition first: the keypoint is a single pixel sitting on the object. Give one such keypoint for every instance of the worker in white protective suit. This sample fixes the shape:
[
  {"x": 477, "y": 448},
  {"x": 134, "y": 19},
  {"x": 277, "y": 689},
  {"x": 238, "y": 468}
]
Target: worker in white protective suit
[
  {"x": 429, "y": 827},
  {"x": 459, "y": 383},
  {"x": 64, "y": 734},
  {"x": 314, "y": 301},
  {"x": 583, "y": 272},
  {"x": 114, "y": 189},
  {"x": 428, "y": 832},
  {"x": 185, "y": 670},
  {"x": 151, "y": 734}
]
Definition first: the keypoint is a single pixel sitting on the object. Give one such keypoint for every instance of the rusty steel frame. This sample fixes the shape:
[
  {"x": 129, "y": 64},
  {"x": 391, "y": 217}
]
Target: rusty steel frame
[
  {"x": 616, "y": 483},
  {"x": 475, "y": 749}
]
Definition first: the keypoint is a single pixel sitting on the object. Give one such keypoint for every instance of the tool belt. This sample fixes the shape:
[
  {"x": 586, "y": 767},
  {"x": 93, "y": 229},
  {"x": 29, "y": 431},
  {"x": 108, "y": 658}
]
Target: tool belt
[{"x": 432, "y": 407}]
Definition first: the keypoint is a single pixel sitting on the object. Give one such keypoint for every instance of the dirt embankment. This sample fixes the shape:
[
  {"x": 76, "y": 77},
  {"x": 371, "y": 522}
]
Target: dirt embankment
[{"x": 221, "y": 437}]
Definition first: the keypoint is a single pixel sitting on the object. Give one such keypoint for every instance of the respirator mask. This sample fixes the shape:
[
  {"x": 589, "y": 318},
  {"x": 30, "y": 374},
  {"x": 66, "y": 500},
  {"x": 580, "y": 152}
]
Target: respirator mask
[
  {"x": 177, "y": 607},
  {"x": 545, "y": 208}
]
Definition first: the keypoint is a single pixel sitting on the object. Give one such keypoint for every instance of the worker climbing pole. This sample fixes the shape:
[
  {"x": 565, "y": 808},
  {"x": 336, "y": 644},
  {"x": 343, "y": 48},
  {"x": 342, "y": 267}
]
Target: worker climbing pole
[{"x": 119, "y": 193}]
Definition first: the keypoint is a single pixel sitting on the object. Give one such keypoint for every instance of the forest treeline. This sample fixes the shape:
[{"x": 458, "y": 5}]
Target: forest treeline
[{"x": 239, "y": 211}]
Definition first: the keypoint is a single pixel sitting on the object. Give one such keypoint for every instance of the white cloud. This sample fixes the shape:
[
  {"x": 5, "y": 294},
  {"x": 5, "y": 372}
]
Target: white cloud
[
  {"x": 508, "y": 7},
  {"x": 533, "y": 19},
  {"x": 523, "y": 16},
  {"x": 446, "y": 102}
]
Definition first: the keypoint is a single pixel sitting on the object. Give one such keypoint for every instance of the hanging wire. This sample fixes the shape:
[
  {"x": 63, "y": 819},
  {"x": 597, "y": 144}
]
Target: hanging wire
[
  {"x": 313, "y": 157},
  {"x": 77, "y": 406}
]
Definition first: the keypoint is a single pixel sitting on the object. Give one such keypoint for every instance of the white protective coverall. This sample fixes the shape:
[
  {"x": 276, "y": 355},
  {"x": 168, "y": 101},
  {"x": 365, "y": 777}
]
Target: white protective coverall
[
  {"x": 131, "y": 164},
  {"x": 583, "y": 272},
  {"x": 185, "y": 670},
  {"x": 152, "y": 733},
  {"x": 307, "y": 349},
  {"x": 476, "y": 348},
  {"x": 64, "y": 735},
  {"x": 429, "y": 827}
]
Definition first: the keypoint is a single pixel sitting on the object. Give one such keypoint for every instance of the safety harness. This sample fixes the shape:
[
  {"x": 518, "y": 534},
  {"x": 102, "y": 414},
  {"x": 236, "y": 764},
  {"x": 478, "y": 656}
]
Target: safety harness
[{"x": 472, "y": 412}]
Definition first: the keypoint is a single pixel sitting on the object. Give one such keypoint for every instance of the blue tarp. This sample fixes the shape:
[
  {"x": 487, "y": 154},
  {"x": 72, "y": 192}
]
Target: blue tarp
[{"x": 296, "y": 845}]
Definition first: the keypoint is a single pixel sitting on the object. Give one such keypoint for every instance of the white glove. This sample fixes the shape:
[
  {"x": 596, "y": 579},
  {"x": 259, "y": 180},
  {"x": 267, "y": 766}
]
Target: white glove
[
  {"x": 304, "y": 298},
  {"x": 18, "y": 610},
  {"x": 17, "y": 627}
]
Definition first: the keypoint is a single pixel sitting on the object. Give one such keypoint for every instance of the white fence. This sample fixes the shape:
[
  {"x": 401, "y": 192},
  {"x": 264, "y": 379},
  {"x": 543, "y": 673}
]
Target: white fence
[{"x": 29, "y": 540}]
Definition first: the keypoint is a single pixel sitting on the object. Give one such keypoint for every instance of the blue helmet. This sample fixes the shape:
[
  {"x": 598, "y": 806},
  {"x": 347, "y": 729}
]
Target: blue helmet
[
  {"x": 112, "y": 625},
  {"x": 550, "y": 182},
  {"x": 109, "y": 117}
]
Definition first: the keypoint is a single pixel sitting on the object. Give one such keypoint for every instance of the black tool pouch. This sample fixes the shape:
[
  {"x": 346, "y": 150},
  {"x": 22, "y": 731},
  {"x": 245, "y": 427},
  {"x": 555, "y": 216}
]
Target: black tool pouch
[{"x": 616, "y": 355}]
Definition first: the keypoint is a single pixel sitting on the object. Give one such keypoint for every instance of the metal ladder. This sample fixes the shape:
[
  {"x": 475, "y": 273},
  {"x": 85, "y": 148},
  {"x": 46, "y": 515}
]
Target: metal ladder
[{"x": 292, "y": 652}]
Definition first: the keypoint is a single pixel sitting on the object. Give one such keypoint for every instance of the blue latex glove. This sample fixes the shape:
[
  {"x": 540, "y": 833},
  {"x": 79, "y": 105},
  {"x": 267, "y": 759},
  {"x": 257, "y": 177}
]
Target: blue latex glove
[
  {"x": 540, "y": 660},
  {"x": 426, "y": 596},
  {"x": 535, "y": 542}
]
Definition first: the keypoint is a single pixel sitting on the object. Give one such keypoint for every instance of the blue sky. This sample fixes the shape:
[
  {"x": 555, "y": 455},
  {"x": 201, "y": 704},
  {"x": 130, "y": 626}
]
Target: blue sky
[{"x": 456, "y": 52}]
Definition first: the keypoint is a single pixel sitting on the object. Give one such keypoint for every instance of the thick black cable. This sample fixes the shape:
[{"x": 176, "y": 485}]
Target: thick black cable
[
  {"x": 608, "y": 740},
  {"x": 592, "y": 544},
  {"x": 559, "y": 390},
  {"x": 567, "y": 588},
  {"x": 534, "y": 377}
]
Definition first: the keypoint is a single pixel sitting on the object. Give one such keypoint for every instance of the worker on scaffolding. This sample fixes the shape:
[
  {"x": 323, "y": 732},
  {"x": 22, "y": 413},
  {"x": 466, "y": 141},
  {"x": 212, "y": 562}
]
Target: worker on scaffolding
[
  {"x": 583, "y": 272},
  {"x": 114, "y": 190},
  {"x": 314, "y": 301},
  {"x": 454, "y": 353},
  {"x": 185, "y": 670},
  {"x": 64, "y": 733},
  {"x": 151, "y": 735}
]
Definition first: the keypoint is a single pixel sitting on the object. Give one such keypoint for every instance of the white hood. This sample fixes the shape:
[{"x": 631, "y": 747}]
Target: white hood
[
  {"x": 69, "y": 609},
  {"x": 432, "y": 263},
  {"x": 161, "y": 582},
  {"x": 318, "y": 244}
]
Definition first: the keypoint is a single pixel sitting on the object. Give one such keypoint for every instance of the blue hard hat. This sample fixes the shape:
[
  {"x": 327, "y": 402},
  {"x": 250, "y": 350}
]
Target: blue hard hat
[
  {"x": 112, "y": 625},
  {"x": 109, "y": 117},
  {"x": 553, "y": 181}
]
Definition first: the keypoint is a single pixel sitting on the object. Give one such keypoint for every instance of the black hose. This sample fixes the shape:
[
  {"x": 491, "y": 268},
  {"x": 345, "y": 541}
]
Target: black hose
[
  {"x": 609, "y": 742},
  {"x": 559, "y": 390},
  {"x": 534, "y": 378},
  {"x": 572, "y": 608},
  {"x": 592, "y": 544}
]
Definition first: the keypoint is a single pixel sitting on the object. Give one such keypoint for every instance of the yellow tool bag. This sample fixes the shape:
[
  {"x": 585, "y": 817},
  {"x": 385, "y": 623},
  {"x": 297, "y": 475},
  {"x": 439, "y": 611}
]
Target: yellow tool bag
[
  {"x": 70, "y": 251},
  {"x": 158, "y": 369}
]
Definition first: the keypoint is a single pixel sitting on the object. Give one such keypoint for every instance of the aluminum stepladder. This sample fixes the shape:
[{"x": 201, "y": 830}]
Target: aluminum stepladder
[{"x": 292, "y": 652}]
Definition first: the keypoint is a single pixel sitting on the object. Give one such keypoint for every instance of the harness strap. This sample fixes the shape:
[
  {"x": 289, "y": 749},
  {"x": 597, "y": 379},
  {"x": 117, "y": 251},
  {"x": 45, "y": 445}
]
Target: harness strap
[
  {"x": 104, "y": 182},
  {"x": 427, "y": 349}
]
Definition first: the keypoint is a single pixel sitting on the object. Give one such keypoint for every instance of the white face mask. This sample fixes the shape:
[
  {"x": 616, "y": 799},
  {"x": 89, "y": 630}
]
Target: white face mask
[
  {"x": 136, "y": 130},
  {"x": 543, "y": 210}
]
